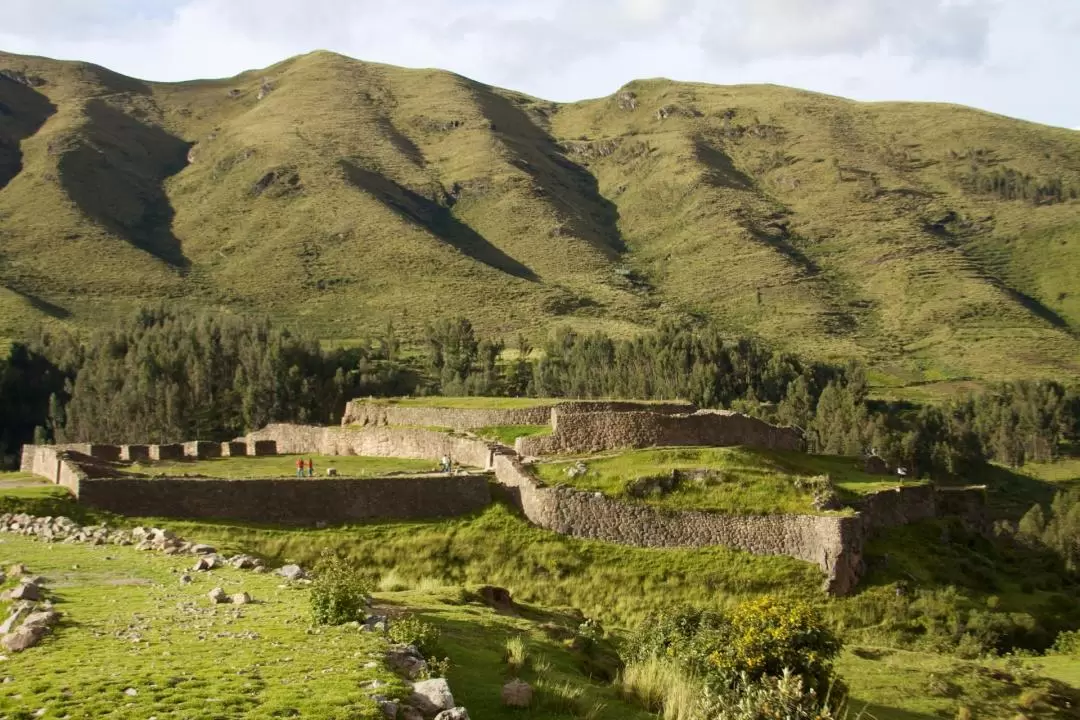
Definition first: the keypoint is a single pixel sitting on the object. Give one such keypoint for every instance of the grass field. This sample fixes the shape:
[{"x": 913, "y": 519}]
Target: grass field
[
  {"x": 356, "y": 193},
  {"x": 507, "y": 434},
  {"x": 283, "y": 466},
  {"x": 422, "y": 567},
  {"x": 740, "y": 481}
]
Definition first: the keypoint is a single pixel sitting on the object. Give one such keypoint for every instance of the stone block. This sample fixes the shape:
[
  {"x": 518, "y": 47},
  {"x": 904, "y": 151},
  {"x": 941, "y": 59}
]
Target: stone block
[
  {"x": 134, "y": 453},
  {"x": 234, "y": 449},
  {"x": 262, "y": 447},
  {"x": 109, "y": 453},
  {"x": 202, "y": 449},
  {"x": 170, "y": 451}
]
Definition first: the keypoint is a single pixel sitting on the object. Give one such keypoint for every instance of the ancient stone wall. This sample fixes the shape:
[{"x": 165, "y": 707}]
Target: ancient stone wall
[
  {"x": 287, "y": 501},
  {"x": 134, "y": 453},
  {"x": 262, "y": 447},
  {"x": 202, "y": 449},
  {"x": 898, "y": 506},
  {"x": 233, "y": 449},
  {"x": 54, "y": 464},
  {"x": 168, "y": 451},
  {"x": 376, "y": 442},
  {"x": 365, "y": 412},
  {"x": 588, "y": 432},
  {"x": 832, "y": 542}
]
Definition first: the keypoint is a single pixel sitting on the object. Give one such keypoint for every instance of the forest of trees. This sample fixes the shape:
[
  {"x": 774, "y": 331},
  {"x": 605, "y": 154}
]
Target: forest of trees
[{"x": 162, "y": 377}]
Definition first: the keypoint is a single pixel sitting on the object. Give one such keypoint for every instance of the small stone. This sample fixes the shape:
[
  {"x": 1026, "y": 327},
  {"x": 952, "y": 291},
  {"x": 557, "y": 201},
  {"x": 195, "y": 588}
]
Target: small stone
[
  {"x": 431, "y": 696},
  {"x": 292, "y": 572},
  {"x": 458, "y": 713},
  {"x": 517, "y": 694},
  {"x": 185, "y": 579},
  {"x": 217, "y": 595},
  {"x": 131, "y": 692},
  {"x": 16, "y": 570},
  {"x": 26, "y": 591},
  {"x": 202, "y": 549},
  {"x": 241, "y": 598},
  {"x": 45, "y": 619},
  {"x": 389, "y": 709},
  {"x": 23, "y": 638}
]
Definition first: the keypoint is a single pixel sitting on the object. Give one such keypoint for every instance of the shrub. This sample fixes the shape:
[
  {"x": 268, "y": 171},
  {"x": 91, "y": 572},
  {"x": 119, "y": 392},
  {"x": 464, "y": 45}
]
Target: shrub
[
  {"x": 784, "y": 697},
  {"x": 411, "y": 630},
  {"x": 338, "y": 591},
  {"x": 1067, "y": 643}
]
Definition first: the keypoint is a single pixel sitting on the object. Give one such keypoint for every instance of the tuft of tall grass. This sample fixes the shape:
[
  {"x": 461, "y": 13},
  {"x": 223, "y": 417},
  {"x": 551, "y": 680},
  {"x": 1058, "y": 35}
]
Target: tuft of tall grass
[
  {"x": 393, "y": 581},
  {"x": 517, "y": 654},
  {"x": 661, "y": 687}
]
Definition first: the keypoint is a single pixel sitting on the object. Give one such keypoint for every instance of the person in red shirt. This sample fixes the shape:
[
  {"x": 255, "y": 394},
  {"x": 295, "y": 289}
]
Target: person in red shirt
[
  {"x": 310, "y": 468},
  {"x": 300, "y": 467}
]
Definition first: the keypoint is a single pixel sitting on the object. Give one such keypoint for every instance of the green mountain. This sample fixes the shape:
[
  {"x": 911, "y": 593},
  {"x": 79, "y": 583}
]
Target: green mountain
[{"x": 934, "y": 241}]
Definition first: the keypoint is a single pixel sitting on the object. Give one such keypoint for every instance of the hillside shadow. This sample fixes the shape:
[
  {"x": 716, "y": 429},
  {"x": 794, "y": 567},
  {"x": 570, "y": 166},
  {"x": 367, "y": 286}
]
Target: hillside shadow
[
  {"x": 873, "y": 711},
  {"x": 23, "y": 110},
  {"x": 590, "y": 215},
  {"x": 115, "y": 174},
  {"x": 722, "y": 171},
  {"x": 40, "y": 304},
  {"x": 1037, "y": 308},
  {"x": 402, "y": 142},
  {"x": 435, "y": 218}
]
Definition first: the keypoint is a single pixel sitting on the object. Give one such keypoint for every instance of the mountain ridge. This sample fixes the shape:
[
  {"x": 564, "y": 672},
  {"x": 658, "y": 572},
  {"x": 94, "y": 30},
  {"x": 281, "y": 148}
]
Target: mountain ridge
[{"x": 931, "y": 240}]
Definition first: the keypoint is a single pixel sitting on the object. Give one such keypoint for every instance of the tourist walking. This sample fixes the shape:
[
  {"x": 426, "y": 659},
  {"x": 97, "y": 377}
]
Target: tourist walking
[
  {"x": 310, "y": 468},
  {"x": 299, "y": 467}
]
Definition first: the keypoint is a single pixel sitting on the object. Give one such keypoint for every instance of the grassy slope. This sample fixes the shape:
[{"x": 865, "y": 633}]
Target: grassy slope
[
  {"x": 407, "y": 194},
  {"x": 618, "y": 585},
  {"x": 752, "y": 481}
]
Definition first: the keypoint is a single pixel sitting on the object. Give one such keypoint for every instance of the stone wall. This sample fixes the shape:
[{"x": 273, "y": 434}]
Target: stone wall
[
  {"x": 168, "y": 451},
  {"x": 259, "y": 448},
  {"x": 376, "y": 442},
  {"x": 54, "y": 464},
  {"x": 202, "y": 449},
  {"x": 134, "y": 453},
  {"x": 288, "y": 501},
  {"x": 366, "y": 412},
  {"x": 587, "y": 432},
  {"x": 834, "y": 543},
  {"x": 233, "y": 449}
]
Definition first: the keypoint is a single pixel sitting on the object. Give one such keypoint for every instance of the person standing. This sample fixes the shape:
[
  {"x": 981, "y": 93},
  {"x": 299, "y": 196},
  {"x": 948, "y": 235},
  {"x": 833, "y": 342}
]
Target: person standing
[
  {"x": 310, "y": 468},
  {"x": 299, "y": 467}
]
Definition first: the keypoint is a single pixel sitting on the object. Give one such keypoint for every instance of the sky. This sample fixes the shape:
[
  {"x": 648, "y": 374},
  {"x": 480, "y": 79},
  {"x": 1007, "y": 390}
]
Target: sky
[{"x": 1016, "y": 58}]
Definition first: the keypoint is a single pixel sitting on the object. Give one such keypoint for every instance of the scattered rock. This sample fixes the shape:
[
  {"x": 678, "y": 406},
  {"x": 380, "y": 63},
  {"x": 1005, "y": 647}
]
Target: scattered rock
[
  {"x": 23, "y": 638},
  {"x": 389, "y": 708},
  {"x": 16, "y": 570},
  {"x": 626, "y": 100},
  {"x": 458, "y": 713},
  {"x": 406, "y": 660},
  {"x": 240, "y": 598},
  {"x": 131, "y": 692},
  {"x": 408, "y": 712},
  {"x": 217, "y": 595},
  {"x": 185, "y": 579},
  {"x": 27, "y": 591},
  {"x": 517, "y": 694},
  {"x": 292, "y": 572},
  {"x": 15, "y": 618},
  {"x": 496, "y": 597},
  {"x": 431, "y": 696},
  {"x": 200, "y": 549},
  {"x": 42, "y": 619}
]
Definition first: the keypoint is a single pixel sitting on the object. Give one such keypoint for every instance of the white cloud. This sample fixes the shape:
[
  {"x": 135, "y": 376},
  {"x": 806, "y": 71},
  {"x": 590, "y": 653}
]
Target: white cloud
[{"x": 1008, "y": 57}]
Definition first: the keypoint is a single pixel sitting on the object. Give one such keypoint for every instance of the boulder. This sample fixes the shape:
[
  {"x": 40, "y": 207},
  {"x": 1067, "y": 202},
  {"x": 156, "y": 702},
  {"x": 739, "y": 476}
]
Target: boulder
[
  {"x": 406, "y": 660},
  {"x": 240, "y": 598},
  {"x": 201, "y": 549},
  {"x": 217, "y": 595},
  {"x": 431, "y": 696},
  {"x": 292, "y": 572},
  {"x": 389, "y": 709},
  {"x": 43, "y": 619},
  {"x": 517, "y": 694},
  {"x": 16, "y": 570},
  {"x": 458, "y": 713},
  {"x": 27, "y": 591},
  {"x": 496, "y": 597},
  {"x": 408, "y": 712},
  {"x": 23, "y": 638}
]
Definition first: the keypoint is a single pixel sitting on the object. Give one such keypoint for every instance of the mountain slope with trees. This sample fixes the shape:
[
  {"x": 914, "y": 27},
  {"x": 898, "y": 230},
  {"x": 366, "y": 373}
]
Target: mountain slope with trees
[{"x": 931, "y": 241}]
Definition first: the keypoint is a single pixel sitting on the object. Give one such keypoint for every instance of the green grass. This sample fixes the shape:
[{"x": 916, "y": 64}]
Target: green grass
[
  {"x": 130, "y": 623},
  {"x": 284, "y": 466},
  {"x": 891, "y": 684},
  {"x": 423, "y": 194},
  {"x": 745, "y": 480},
  {"x": 507, "y": 434}
]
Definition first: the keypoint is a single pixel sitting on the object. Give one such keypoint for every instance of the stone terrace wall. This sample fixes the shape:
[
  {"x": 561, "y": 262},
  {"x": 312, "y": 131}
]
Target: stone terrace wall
[
  {"x": 53, "y": 463},
  {"x": 600, "y": 431},
  {"x": 364, "y": 412},
  {"x": 287, "y": 501},
  {"x": 360, "y": 412},
  {"x": 833, "y": 543},
  {"x": 376, "y": 442}
]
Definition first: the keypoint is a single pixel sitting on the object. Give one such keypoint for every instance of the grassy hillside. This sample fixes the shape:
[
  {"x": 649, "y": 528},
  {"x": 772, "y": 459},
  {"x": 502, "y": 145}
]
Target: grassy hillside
[{"x": 937, "y": 242}]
